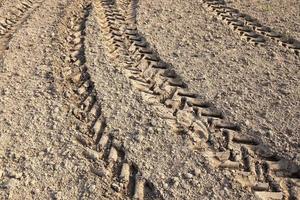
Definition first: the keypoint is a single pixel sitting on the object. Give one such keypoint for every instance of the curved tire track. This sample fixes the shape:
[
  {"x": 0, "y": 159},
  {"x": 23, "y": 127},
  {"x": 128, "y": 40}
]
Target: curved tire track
[
  {"x": 251, "y": 163},
  {"x": 246, "y": 25},
  {"x": 125, "y": 176}
]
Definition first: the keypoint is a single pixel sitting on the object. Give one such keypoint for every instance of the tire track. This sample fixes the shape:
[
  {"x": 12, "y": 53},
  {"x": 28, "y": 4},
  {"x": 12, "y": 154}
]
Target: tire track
[
  {"x": 243, "y": 30},
  {"x": 14, "y": 19},
  {"x": 125, "y": 176},
  {"x": 250, "y": 162},
  {"x": 245, "y": 24}
]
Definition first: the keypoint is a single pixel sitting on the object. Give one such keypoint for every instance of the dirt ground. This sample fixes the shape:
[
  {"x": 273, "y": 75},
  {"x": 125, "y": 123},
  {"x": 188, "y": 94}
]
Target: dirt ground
[{"x": 131, "y": 99}]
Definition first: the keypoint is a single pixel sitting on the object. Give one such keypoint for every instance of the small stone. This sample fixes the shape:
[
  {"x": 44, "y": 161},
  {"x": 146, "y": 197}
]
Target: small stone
[
  {"x": 226, "y": 191},
  {"x": 196, "y": 172},
  {"x": 101, "y": 171},
  {"x": 162, "y": 176},
  {"x": 269, "y": 133},
  {"x": 48, "y": 150},
  {"x": 223, "y": 156},
  {"x": 56, "y": 167},
  {"x": 56, "y": 110},
  {"x": 54, "y": 126},
  {"x": 151, "y": 130},
  {"x": 247, "y": 123},
  {"x": 115, "y": 187},
  {"x": 222, "y": 193},
  {"x": 175, "y": 184},
  {"x": 165, "y": 186},
  {"x": 5, "y": 91},
  {"x": 284, "y": 91},
  {"x": 175, "y": 55},
  {"x": 188, "y": 176},
  {"x": 92, "y": 187},
  {"x": 91, "y": 154},
  {"x": 139, "y": 138},
  {"x": 175, "y": 181},
  {"x": 58, "y": 195},
  {"x": 13, "y": 174},
  {"x": 32, "y": 182},
  {"x": 153, "y": 122},
  {"x": 195, "y": 182}
]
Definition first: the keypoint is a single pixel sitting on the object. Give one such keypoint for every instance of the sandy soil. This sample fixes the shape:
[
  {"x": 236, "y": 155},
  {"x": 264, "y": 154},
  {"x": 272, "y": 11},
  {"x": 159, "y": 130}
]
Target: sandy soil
[{"x": 73, "y": 118}]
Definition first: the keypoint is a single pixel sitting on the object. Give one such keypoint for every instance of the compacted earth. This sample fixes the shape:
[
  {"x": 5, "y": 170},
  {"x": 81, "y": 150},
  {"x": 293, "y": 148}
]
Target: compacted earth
[{"x": 141, "y": 99}]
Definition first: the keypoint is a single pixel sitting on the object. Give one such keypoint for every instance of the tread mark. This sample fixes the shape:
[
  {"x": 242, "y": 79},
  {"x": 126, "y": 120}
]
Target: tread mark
[
  {"x": 97, "y": 141},
  {"x": 248, "y": 27}
]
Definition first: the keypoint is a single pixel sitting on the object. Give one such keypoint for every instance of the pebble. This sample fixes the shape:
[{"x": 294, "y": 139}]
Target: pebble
[
  {"x": 56, "y": 110},
  {"x": 153, "y": 122},
  {"x": 91, "y": 154},
  {"x": 196, "y": 172},
  {"x": 175, "y": 181},
  {"x": 247, "y": 123},
  {"x": 227, "y": 192},
  {"x": 58, "y": 195},
  {"x": 161, "y": 176},
  {"x": 48, "y": 150},
  {"x": 13, "y": 174},
  {"x": 41, "y": 153},
  {"x": 92, "y": 187},
  {"x": 165, "y": 186},
  {"x": 151, "y": 130},
  {"x": 139, "y": 138},
  {"x": 115, "y": 187},
  {"x": 101, "y": 171},
  {"x": 195, "y": 182},
  {"x": 188, "y": 176},
  {"x": 176, "y": 184},
  {"x": 269, "y": 133}
]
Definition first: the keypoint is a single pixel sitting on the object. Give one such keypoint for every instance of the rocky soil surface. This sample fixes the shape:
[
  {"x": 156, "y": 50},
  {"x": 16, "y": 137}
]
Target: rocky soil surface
[{"x": 131, "y": 99}]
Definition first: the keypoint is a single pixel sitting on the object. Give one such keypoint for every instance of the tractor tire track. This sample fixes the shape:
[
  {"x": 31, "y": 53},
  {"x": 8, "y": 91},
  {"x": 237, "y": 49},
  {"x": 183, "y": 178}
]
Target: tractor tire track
[
  {"x": 125, "y": 176},
  {"x": 244, "y": 23},
  {"x": 14, "y": 19},
  {"x": 243, "y": 30},
  {"x": 251, "y": 163}
]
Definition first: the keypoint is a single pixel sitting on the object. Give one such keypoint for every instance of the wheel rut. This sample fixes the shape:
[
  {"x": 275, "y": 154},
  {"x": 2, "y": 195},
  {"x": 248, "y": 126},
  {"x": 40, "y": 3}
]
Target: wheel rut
[
  {"x": 249, "y": 28},
  {"x": 125, "y": 177},
  {"x": 226, "y": 147},
  {"x": 14, "y": 19}
]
